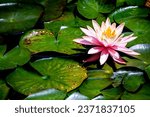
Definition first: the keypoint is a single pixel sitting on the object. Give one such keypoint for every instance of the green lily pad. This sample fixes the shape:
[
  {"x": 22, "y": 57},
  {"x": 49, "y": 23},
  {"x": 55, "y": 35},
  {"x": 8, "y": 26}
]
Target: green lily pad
[
  {"x": 88, "y": 8},
  {"x": 106, "y": 6},
  {"x": 147, "y": 69},
  {"x": 67, "y": 19},
  {"x": 43, "y": 40},
  {"x": 144, "y": 50},
  {"x": 140, "y": 27},
  {"x": 113, "y": 93},
  {"x": 136, "y": 2},
  {"x": 2, "y": 50},
  {"x": 49, "y": 94},
  {"x": 57, "y": 73},
  {"x": 122, "y": 14},
  {"x": 133, "y": 81},
  {"x": 53, "y": 9},
  {"x": 77, "y": 96},
  {"x": 3, "y": 90},
  {"x": 142, "y": 94},
  {"x": 13, "y": 58},
  {"x": 18, "y": 17},
  {"x": 38, "y": 41},
  {"x": 97, "y": 80}
]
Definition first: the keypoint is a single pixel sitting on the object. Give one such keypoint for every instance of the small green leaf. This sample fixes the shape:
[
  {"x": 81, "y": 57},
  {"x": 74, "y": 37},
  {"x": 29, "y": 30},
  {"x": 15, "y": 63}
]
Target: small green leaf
[
  {"x": 53, "y": 9},
  {"x": 13, "y": 58},
  {"x": 113, "y": 93},
  {"x": 3, "y": 90},
  {"x": 106, "y": 6},
  {"x": 18, "y": 17},
  {"x": 133, "y": 81},
  {"x": 88, "y": 8},
  {"x": 49, "y": 94},
  {"x": 142, "y": 94},
  {"x": 97, "y": 80},
  {"x": 77, "y": 96},
  {"x": 57, "y": 73}
]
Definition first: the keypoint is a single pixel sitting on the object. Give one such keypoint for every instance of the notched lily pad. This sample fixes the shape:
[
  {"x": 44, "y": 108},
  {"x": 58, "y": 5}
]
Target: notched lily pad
[{"x": 57, "y": 73}]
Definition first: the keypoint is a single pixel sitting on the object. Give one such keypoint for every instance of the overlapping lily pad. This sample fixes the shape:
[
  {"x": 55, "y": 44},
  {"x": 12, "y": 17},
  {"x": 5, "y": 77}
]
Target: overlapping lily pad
[
  {"x": 18, "y": 17},
  {"x": 15, "y": 57},
  {"x": 57, "y": 73}
]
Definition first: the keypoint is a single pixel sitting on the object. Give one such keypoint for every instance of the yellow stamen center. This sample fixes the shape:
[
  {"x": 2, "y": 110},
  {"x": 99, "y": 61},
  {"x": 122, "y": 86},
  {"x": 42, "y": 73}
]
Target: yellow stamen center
[{"x": 109, "y": 33}]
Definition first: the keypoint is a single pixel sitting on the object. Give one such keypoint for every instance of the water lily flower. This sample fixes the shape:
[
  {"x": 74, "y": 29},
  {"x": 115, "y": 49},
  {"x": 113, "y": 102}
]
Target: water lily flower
[{"x": 106, "y": 40}]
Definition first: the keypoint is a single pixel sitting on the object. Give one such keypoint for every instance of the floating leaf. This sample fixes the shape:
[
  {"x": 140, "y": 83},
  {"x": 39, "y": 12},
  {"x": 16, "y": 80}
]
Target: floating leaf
[
  {"x": 57, "y": 73},
  {"x": 113, "y": 93},
  {"x": 49, "y": 94},
  {"x": 142, "y": 94},
  {"x": 67, "y": 19},
  {"x": 18, "y": 17},
  {"x": 106, "y": 6},
  {"x": 77, "y": 96},
  {"x": 3, "y": 90},
  {"x": 13, "y": 58},
  {"x": 97, "y": 80},
  {"x": 133, "y": 81},
  {"x": 43, "y": 40},
  {"x": 122, "y": 14},
  {"x": 53, "y": 9},
  {"x": 88, "y": 8},
  {"x": 136, "y": 2}
]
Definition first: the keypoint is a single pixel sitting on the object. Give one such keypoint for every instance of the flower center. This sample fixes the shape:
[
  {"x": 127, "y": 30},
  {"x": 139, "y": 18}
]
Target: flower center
[{"x": 109, "y": 33}]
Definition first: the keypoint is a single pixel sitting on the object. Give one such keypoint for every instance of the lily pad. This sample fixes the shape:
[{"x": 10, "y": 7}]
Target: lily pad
[
  {"x": 13, "y": 58},
  {"x": 113, "y": 93},
  {"x": 43, "y": 40},
  {"x": 88, "y": 8},
  {"x": 18, "y": 17},
  {"x": 106, "y": 6},
  {"x": 3, "y": 90},
  {"x": 95, "y": 83},
  {"x": 49, "y": 94},
  {"x": 122, "y": 14},
  {"x": 67, "y": 20},
  {"x": 53, "y": 9},
  {"x": 77, "y": 96},
  {"x": 57, "y": 73},
  {"x": 133, "y": 81},
  {"x": 143, "y": 94}
]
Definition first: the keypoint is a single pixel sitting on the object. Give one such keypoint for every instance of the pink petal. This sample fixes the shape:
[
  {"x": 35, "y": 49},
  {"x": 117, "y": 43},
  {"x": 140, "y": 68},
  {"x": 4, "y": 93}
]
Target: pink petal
[
  {"x": 119, "y": 60},
  {"x": 113, "y": 53},
  {"x": 92, "y": 40},
  {"x": 82, "y": 41},
  {"x": 103, "y": 26},
  {"x": 94, "y": 57},
  {"x": 87, "y": 32},
  {"x": 97, "y": 28},
  {"x": 95, "y": 50},
  {"x": 113, "y": 26},
  {"x": 129, "y": 38},
  {"x": 126, "y": 51},
  {"x": 91, "y": 30},
  {"x": 119, "y": 29},
  {"x": 103, "y": 57}
]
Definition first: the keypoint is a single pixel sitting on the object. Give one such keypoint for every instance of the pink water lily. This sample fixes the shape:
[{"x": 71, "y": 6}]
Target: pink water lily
[{"x": 106, "y": 40}]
